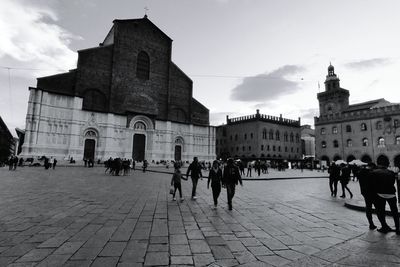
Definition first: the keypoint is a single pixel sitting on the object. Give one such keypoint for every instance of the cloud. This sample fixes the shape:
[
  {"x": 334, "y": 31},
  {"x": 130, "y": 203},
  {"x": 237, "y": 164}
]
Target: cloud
[
  {"x": 268, "y": 86},
  {"x": 31, "y": 37},
  {"x": 368, "y": 63}
]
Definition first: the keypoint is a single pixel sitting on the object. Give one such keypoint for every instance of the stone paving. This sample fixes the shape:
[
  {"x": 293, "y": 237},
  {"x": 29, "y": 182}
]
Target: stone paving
[{"x": 82, "y": 217}]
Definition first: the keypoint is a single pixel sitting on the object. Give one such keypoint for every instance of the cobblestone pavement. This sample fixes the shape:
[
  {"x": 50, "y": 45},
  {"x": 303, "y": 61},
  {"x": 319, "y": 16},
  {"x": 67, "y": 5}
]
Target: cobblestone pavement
[{"x": 82, "y": 217}]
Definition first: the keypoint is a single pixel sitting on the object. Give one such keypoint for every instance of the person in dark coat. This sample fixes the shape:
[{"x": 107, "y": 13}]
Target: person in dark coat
[
  {"x": 367, "y": 191},
  {"x": 230, "y": 179},
  {"x": 195, "y": 172},
  {"x": 215, "y": 177},
  {"x": 334, "y": 177},
  {"x": 344, "y": 180},
  {"x": 384, "y": 181}
]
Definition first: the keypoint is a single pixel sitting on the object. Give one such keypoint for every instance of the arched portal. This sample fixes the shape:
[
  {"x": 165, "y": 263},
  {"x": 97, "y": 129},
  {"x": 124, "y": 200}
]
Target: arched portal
[
  {"x": 89, "y": 149},
  {"x": 366, "y": 158},
  {"x": 139, "y": 147},
  {"x": 350, "y": 158},
  {"x": 337, "y": 157}
]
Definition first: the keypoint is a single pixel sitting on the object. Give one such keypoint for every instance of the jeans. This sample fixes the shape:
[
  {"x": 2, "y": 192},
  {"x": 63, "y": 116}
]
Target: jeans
[
  {"x": 194, "y": 182},
  {"x": 369, "y": 201},
  {"x": 216, "y": 190},
  {"x": 230, "y": 191},
  {"x": 380, "y": 206},
  {"x": 179, "y": 187},
  {"x": 333, "y": 186}
]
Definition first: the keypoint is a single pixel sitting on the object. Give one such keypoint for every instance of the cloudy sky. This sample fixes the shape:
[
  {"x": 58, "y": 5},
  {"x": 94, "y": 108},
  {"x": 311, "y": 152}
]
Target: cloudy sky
[{"x": 242, "y": 55}]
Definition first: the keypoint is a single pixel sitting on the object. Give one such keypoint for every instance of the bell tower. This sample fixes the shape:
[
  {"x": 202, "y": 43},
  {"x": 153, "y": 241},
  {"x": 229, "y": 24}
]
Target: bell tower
[{"x": 335, "y": 99}]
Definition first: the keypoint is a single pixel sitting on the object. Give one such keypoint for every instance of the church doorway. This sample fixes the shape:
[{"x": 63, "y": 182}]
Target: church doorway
[
  {"x": 139, "y": 146},
  {"x": 88, "y": 152},
  {"x": 382, "y": 160},
  {"x": 178, "y": 153}
]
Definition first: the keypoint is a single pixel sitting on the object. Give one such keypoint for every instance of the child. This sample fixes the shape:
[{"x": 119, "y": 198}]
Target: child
[{"x": 176, "y": 181}]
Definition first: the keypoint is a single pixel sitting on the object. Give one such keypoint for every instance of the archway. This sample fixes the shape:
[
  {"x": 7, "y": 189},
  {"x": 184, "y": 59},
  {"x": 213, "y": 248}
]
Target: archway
[
  {"x": 366, "y": 159},
  {"x": 178, "y": 153},
  {"x": 337, "y": 157},
  {"x": 325, "y": 158},
  {"x": 350, "y": 158},
  {"x": 397, "y": 161},
  {"x": 139, "y": 146},
  {"x": 89, "y": 149},
  {"x": 382, "y": 160}
]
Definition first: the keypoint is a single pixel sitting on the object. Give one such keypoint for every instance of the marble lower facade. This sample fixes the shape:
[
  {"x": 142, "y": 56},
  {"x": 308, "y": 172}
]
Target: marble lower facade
[{"x": 57, "y": 126}]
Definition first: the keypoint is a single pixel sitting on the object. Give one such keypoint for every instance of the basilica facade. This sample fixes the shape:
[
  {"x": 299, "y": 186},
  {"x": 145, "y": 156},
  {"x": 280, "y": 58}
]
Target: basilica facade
[{"x": 126, "y": 98}]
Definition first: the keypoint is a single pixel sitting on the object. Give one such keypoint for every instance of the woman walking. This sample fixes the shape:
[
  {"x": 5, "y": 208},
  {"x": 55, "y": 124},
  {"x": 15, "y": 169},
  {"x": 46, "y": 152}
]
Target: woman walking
[
  {"x": 215, "y": 177},
  {"x": 344, "y": 180}
]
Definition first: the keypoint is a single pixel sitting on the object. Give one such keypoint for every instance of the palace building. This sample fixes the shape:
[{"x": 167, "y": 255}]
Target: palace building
[
  {"x": 365, "y": 131},
  {"x": 259, "y": 136},
  {"x": 126, "y": 98}
]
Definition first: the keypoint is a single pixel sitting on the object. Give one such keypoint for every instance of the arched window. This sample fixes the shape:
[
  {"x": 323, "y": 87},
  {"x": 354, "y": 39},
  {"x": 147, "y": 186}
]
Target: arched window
[
  {"x": 397, "y": 141},
  {"x": 396, "y": 123},
  {"x": 349, "y": 143},
  {"x": 335, "y": 143},
  {"x": 348, "y": 128},
  {"x": 323, "y": 144},
  {"x": 264, "y": 134},
  {"x": 236, "y": 137},
  {"x": 291, "y": 137},
  {"x": 363, "y": 126},
  {"x": 322, "y": 131},
  {"x": 90, "y": 133},
  {"x": 297, "y": 138},
  {"x": 285, "y": 137},
  {"x": 334, "y": 130},
  {"x": 245, "y": 136},
  {"x": 381, "y": 142},
  {"x": 262, "y": 147},
  {"x": 277, "y": 135},
  {"x": 143, "y": 66},
  {"x": 271, "y": 135},
  {"x": 139, "y": 126},
  {"x": 379, "y": 125},
  {"x": 365, "y": 142}
]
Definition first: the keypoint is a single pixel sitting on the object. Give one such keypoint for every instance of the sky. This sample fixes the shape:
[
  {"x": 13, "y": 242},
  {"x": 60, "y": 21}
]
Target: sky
[{"x": 242, "y": 55}]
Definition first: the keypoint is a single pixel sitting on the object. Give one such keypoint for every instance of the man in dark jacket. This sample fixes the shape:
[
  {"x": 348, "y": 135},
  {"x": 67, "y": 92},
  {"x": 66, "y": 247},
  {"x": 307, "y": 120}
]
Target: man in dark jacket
[
  {"x": 367, "y": 191},
  {"x": 195, "y": 173},
  {"x": 230, "y": 179},
  {"x": 384, "y": 181}
]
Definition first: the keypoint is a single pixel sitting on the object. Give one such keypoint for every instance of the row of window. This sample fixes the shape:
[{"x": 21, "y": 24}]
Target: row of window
[
  {"x": 271, "y": 136},
  {"x": 363, "y": 127},
  {"x": 268, "y": 148},
  {"x": 349, "y": 143}
]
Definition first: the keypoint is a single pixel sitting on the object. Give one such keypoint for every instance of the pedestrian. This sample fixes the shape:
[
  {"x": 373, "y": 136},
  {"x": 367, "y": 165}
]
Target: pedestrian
[
  {"x": 46, "y": 163},
  {"x": 230, "y": 179},
  {"x": 145, "y": 164},
  {"x": 367, "y": 191},
  {"x": 10, "y": 163},
  {"x": 54, "y": 163},
  {"x": 344, "y": 180},
  {"x": 215, "y": 177},
  {"x": 51, "y": 162},
  {"x": 258, "y": 167},
  {"x": 384, "y": 181},
  {"x": 195, "y": 173},
  {"x": 176, "y": 181},
  {"x": 248, "y": 169},
  {"x": 241, "y": 167},
  {"x": 334, "y": 177}
]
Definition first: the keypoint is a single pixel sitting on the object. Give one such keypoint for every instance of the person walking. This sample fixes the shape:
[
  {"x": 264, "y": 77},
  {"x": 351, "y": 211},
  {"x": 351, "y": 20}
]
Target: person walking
[
  {"x": 367, "y": 191},
  {"x": 230, "y": 179},
  {"x": 145, "y": 164},
  {"x": 176, "y": 181},
  {"x": 195, "y": 172},
  {"x": 344, "y": 180},
  {"x": 215, "y": 177},
  {"x": 51, "y": 162},
  {"x": 334, "y": 176},
  {"x": 54, "y": 163},
  {"x": 249, "y": 167},
  {"x": 384, "y": 181}
]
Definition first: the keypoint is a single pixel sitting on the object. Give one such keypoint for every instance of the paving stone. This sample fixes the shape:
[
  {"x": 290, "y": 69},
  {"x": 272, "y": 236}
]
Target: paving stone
[
  {"x": 36, "y": 255},
  {"x": 135, "y": 251},
  {"x": 194, "y": 234},
  {"x": 156, "y": 258},
  {"x": 199, "y": 246},
  {"x": 86, "y": 253},
  {"x": 274, "y": 260},
  {"x": 17, "y": 250},
  {"x": 180, "y": 250},
  {"x": 260, "y": 251},
  {"x": 158, "y": 248},
  {"x": 289, "y": 254},
  {"x": 179, "y": 260},
  {"x": 69, "y": 247},
  {"x": 179, "y": 239},
  {"x": 113, "y": 249},
  {"x": 244, "y": 257},
  {"x": 105, "y": 261},
  {"x": 215, "y": 240},
  {"x": 159, "y": 239},
  {"x": 221, "y": 252},
  {"x": 203, "y": 259},
  {"x": 54, "y": 260}
]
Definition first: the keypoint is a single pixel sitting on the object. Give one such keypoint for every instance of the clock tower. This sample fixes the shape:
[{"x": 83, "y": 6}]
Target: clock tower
[{"x": 334, "y": 99}]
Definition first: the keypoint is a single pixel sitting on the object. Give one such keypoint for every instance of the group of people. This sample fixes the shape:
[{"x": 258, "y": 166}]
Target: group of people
[
  {"x": 50, "y": 163},
  {"x": 377, "y": 184},
  {"x": 339, "y": 173},
  {"x": 118, "y": 165},
  {"x": 12, "y": 163},
  {"x": 220, "y": 176}
]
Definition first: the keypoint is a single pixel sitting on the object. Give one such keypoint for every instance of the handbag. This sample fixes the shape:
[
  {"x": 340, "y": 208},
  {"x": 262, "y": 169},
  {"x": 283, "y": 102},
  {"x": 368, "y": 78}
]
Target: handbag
[{"x": 171, "y": 190}]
